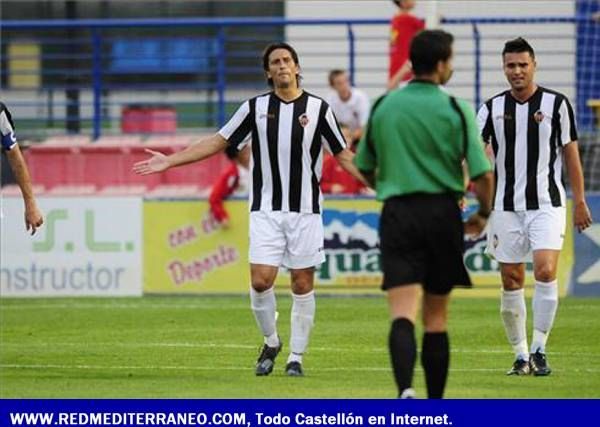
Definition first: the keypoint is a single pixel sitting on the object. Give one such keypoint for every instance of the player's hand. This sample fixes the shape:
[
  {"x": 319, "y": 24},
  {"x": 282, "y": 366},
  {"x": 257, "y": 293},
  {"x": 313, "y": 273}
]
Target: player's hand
[
  {"x": 475, "y": 225},
  {"x": 157, "y": 163},
  {"x": 582, "y": 217},
  {"x": 33, "y": 217}
]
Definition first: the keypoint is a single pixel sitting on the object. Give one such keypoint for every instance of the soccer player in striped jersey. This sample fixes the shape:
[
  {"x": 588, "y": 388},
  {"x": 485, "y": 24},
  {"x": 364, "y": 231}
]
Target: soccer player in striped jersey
[
  {"x": 530, "y": 129},
  {"x": 33, "y": 216},
  {"x": 289, "y": 128}
]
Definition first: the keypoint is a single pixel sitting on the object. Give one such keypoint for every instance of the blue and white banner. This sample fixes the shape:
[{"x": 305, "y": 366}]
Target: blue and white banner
[
  {"x": 586, "y": 272},
  {"x": 88, "y": 246},
  {"x": 258, "y": 413}
]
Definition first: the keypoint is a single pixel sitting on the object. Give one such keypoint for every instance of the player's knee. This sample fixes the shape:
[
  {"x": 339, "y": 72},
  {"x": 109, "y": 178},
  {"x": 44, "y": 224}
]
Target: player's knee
[
  {"x": 301, "y": 287},
  {"x": 513, "y": 279},
  {"x": 545, "y": 272},
  {"x": 261, "y": 284}
]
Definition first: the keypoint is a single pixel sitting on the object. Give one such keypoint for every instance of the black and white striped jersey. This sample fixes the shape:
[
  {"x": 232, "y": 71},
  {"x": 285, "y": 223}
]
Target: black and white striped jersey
[
  {"x": 527, "y": 139},
  {"x": 7, "y": 129},
  {"x": 287, "y": 140}
]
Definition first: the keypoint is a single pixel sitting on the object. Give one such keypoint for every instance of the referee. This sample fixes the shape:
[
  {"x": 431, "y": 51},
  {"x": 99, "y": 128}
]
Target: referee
[
  {"x": 288, "y": 129},
  {"x": 415, "y": 143}
]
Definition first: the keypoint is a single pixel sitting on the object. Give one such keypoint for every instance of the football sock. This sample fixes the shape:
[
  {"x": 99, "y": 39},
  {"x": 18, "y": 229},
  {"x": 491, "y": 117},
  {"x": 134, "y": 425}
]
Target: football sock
[
  {"x": 293, "y": 357},
  {"x": 264, "y": 307},
  {"x": 545, "y": 303},
  {"x": 403, "y": 352},
  {"x": 514, "y": 317},
  {"x": 435, "y": 358},
  {"x": 302, "y": 319}
]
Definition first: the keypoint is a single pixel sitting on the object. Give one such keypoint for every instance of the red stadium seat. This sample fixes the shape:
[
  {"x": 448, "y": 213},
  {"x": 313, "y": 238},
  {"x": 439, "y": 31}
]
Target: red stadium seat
[
  {"x": 123, "y": 190},
  {"x": 15, "y": 190},
  {"x": 72, "y": 190},
  {"x": 174, "y": 191}
]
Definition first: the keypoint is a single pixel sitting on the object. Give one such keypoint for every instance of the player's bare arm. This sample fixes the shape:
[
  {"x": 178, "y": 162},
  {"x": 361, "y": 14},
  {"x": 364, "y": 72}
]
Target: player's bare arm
[
  {"x": 33, "y": 216},
  {"x": 582, "y": 218},
  {"x": 195, "y": 152},
  {"x": 344, "y": 158}
]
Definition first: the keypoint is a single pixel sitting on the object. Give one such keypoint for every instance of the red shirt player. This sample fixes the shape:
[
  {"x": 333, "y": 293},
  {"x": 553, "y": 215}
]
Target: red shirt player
[
  {"x": 334, "y": 179},
  {"x": 229, "y": 181},
  {"x": 404, "y": 27}
]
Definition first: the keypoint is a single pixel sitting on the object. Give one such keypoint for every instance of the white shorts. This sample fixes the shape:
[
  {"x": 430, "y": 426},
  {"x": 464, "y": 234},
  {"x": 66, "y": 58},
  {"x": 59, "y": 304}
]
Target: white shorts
[
  {"x": 512, "y": 236},
  {"x": 286, "y": 239}
]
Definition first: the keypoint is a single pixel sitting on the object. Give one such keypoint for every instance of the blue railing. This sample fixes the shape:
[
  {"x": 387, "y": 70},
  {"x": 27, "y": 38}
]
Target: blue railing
[{"x": 220, "y": 69}]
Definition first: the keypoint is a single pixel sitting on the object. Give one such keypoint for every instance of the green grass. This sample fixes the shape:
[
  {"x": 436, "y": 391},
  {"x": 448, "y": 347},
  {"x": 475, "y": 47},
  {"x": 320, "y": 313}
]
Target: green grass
[{"x": 206, "y": 347}]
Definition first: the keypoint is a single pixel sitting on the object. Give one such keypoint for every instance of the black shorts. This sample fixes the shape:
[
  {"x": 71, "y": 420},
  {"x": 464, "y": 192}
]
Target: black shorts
[{"x": 421, "y": 238}]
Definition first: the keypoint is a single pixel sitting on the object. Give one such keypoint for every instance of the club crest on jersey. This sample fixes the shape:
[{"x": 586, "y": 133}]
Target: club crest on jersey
[
  {"x": 538, "y": 116},
  {"x": 303, "y": 119}
]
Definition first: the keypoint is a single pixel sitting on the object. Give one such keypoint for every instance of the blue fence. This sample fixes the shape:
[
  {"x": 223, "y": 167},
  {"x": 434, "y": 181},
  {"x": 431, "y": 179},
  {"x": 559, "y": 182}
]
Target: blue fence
[{"x": 141, "y": 56}]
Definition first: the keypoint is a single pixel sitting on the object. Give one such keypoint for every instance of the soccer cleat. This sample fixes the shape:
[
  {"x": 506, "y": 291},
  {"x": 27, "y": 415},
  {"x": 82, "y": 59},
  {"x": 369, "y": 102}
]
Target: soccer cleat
[
  {"x": 520, "y": 367},
  {"x": 266, "y": 360},
  {"x": 538, "y": 364},
  {"x": 294, "y": 369},
  {"x": 407, "y": 393}
]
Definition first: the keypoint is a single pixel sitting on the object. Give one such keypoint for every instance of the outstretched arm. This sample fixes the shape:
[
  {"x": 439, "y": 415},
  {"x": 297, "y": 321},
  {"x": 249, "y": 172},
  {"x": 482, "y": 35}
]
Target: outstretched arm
[
  {"x": 33, "y": 216},
  {"x": 195, "y": 152},
  {"x": 581, "y": 214}
]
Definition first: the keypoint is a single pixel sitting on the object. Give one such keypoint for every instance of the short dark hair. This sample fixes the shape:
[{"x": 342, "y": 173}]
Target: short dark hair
[
  {"x": 334, "y": 73},
  {"x": 428, "y": 48},
  {"x": 518, "y": 45},
  {"x": 274, "y": 46}
]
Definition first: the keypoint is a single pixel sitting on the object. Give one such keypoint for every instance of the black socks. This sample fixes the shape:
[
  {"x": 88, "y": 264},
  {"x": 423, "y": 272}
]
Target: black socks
[
  {"x": 435, "y": 359},
  {"x": 403, "y": 351}
]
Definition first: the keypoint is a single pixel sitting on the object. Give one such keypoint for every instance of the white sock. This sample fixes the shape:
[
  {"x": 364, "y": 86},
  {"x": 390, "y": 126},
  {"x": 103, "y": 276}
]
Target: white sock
[
  {"x": 303, "y": 316},
  {"x": 293, "y": 357},
  {"x": 514, "y": 317},
  {"x": 264, "y": 307},
  {"x": 545, "y": 303}
]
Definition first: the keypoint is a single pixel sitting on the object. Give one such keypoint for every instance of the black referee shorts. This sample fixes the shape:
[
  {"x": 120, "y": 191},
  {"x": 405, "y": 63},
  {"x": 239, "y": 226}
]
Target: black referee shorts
[{"x": 421, "y": 238}]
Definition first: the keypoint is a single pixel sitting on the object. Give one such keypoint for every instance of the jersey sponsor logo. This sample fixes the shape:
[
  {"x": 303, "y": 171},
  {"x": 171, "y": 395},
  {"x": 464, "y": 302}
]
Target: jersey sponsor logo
[
  {"x": 503, "y": 117},
  {"x": 303, "y": 119},
  {"x": 267, "y": 115},
  {"x": 495, "y": 241}
]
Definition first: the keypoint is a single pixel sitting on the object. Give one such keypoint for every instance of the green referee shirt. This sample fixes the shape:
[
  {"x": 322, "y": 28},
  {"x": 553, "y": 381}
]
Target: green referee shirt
[{"x": 415, "y": 141}]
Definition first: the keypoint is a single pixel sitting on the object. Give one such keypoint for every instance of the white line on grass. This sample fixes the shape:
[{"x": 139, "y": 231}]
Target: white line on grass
[
  {"x": 212, "y": 345},
  {"x": 237, "y": 368},
  {"x": 80, "y": 306}
]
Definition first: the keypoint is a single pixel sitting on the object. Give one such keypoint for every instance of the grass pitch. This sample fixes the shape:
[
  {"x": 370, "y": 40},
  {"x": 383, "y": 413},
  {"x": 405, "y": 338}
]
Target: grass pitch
[{"x": 202, "y": 347}]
